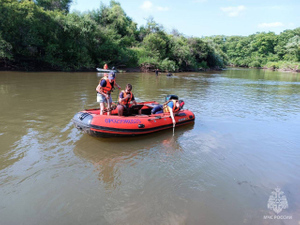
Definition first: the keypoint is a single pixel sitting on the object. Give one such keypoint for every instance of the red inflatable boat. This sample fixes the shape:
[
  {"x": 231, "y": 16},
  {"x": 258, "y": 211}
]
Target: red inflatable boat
[{"x": 136, "y": 124}]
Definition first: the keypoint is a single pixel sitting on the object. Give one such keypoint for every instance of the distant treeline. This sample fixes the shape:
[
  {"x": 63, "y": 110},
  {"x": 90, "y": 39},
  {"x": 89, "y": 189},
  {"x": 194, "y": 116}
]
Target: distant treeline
[
  {"x": 43, "y": 35},
  {"x": 266, "y": 50}
]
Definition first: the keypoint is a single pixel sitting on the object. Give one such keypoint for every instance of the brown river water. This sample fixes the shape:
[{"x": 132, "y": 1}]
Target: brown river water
[{"x": 227, "y": 168}]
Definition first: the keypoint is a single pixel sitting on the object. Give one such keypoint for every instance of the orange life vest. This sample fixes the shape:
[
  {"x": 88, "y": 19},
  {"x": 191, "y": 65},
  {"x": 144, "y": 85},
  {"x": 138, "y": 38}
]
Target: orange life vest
[
  {"x": 109, "y": 86},
  {"x": 174, "y": 109},
  {"x": 128, "y": 100}
]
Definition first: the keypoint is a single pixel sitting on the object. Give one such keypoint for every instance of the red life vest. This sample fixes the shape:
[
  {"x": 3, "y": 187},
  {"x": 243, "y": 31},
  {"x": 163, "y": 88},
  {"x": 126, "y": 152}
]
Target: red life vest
[
  {"x": 109, "y": 86},
  {"x": 128, "y": 100},
  {"x": 174, "y": 109}
]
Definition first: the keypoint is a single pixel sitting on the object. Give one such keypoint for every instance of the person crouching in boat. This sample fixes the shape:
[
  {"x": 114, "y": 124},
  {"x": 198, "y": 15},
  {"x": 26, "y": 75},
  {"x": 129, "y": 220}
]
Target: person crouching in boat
[
  {"x": 172, "y": 106},
  {"x": 104, "y": 89},
  {"x": 125, "y": 98}
]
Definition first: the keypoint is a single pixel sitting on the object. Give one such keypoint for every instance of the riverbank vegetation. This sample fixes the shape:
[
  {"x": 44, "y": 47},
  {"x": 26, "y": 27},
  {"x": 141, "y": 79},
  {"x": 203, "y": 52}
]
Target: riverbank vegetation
[
  {"x": 262, "y": 50},
  {"x": 44, "y": 35}
]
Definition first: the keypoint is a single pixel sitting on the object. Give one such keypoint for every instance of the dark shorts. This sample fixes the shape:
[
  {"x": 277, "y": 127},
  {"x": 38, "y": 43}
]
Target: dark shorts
[{"x": 157, "y": 109}]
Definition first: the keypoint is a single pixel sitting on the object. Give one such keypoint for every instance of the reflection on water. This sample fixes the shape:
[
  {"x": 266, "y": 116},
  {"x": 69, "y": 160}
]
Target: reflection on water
[
  {"x": 220, "y": 170},
  {"x": 108, "y": 159}
]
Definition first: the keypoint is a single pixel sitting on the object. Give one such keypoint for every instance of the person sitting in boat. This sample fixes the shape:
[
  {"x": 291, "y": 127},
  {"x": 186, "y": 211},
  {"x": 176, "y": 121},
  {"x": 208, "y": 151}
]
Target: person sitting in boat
[
  {"x": 105, "y": 66},
  {"x": 125, "y": 98},
  {"x": 172, "y": 106},
  {"x": 104, "y": 89}
]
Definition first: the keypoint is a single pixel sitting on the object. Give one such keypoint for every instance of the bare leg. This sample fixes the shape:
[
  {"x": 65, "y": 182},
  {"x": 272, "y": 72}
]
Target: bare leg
[
  {"x": 102, "y": 106},
  {"x": 120, "y": 110},
  {"x": 108, "y": 107}
]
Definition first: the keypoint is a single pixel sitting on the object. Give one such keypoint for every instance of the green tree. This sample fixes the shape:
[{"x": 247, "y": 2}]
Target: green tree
[
  {"x": 150, "y": 27},
  {"x": 157, "y": 44},
  {"x": 62, "y": 5},
  {"x": 293, "y": 49},
  {"x": 114, "y": 18},
  {"x": 264, "y": 43},
  {"x": 181, "y": 52},
  {"x": 5, "y": 49}
]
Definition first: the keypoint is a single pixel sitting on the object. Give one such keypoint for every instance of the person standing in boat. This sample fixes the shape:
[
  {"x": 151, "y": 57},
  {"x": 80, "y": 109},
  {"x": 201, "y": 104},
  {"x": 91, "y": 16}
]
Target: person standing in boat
[
  {"x": 125, "y": 98},
  {"x": 104, "y": 89}
]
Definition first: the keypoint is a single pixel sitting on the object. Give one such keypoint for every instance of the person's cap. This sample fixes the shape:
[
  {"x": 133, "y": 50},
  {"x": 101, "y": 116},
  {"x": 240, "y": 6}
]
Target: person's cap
[
  {"x": 111, "y": 76},
  {"x": 113, "y": 68}
]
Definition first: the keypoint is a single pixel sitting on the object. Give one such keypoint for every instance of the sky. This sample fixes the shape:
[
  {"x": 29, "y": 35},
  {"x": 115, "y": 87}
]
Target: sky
[{"x": 198, "y": 18}]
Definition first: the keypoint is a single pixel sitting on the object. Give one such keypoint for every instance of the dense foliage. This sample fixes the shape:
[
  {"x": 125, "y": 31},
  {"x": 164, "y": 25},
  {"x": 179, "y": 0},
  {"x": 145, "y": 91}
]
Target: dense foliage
[
  {"x": 43, "y": 35},
  {"x": 262, "y": 49}
]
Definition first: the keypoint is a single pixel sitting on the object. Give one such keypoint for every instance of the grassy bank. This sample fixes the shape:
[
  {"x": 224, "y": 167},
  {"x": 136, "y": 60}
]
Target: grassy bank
[{"x": 283, "y": 66}]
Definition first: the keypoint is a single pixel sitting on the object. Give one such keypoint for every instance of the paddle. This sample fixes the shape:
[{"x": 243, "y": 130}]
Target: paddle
[
  {"x": 117, "y": 100},
  {"x": 173, "y": 129}
]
